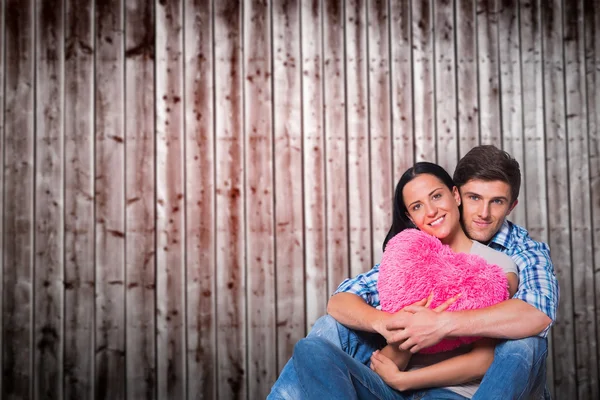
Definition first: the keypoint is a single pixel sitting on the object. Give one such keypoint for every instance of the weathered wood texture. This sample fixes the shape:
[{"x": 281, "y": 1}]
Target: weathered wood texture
[{"x": 186, "y": 182}]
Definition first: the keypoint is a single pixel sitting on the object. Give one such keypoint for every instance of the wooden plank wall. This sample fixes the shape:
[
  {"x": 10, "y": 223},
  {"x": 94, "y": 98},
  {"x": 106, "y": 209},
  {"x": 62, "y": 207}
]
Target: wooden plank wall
[{"x": 185, "y": 182}]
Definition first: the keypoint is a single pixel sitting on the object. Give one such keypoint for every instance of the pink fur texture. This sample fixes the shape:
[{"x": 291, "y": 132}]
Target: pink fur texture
[{"x": 415, "y": 263}]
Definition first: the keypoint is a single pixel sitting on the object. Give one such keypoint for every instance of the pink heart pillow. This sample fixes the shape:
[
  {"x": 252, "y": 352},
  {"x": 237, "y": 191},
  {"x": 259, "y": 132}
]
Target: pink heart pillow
[{"x": 415, "y": 264}]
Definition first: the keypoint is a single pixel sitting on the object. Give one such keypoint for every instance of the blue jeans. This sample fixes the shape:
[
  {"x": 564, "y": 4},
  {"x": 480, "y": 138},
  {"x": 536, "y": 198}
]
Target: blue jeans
[
  {"x": 359, "y": 345},
  {"x": 327, "y": 372},
  {"x": 520, "y": 362}
]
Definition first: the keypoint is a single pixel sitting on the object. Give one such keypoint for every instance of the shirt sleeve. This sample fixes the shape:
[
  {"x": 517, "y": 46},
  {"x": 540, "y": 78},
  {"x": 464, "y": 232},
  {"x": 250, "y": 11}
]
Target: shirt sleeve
[
  {"x": 363, "y": 285},
  {"x": 538, "y": 285}
]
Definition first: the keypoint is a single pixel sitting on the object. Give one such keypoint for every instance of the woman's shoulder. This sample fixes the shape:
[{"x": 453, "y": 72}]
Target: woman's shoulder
[{"x": 494, "y": 257}]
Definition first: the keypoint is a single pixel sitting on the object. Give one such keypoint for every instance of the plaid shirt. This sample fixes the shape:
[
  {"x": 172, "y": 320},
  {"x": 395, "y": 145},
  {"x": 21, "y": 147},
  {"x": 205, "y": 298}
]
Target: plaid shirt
[{"x": 537, "y": 283}]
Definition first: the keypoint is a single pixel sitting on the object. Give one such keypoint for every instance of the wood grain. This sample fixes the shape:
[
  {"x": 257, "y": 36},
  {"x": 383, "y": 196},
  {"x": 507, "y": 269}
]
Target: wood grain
[
  {"x": 335, "y": 144},
  {"x": 79, "y": 220},
  {"x": 170, "y": 203},
  {"x": 559, "y": 234},
  {"x": 423, "y": 81},
  {"x": 230, "y": 218},
  {"x": 401, "y": 82},
  {"x": 200, "y": 200},
  {"x": 110, "y": 208},
  {"x": 19, "y": 186},
  {"x": 466, "y": 73},
  {"x": 314, "y": 161},
  {"x": 288, "y": 185},
  {"x": 49, "y": 202},
  {"x": 380, "y": 131},
  {"x": 586, "y": 351},
  {"x": 446, "y": 118},
  {"x": 359, "y": 169},
  {"x": 140, "y": 246}
]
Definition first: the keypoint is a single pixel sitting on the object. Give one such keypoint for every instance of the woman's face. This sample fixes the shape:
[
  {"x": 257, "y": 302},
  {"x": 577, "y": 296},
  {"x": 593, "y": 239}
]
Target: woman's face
[{"x": 431, "y": 206}]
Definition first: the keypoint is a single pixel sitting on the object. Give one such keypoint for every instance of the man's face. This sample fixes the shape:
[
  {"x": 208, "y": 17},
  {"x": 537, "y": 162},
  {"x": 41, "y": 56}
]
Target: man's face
[{"x": 485, "y": 205}]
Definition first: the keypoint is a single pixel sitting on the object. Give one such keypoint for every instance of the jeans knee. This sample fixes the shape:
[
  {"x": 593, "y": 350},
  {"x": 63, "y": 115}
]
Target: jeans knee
[{"x": 531, "y": 348}]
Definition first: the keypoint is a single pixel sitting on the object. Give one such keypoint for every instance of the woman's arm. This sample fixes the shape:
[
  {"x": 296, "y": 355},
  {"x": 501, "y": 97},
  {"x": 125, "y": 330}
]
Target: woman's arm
[
  {"x": 513, "y": 284},
  {"x": 398, "y": 356},
  {"x": 456, "y": 370}
]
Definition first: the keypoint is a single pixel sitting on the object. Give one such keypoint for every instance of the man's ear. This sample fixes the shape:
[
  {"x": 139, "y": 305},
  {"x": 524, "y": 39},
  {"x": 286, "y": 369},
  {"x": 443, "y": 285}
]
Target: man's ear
[
  {"x": 512, "y": 206},
  {"x": 456, "y": 195}
]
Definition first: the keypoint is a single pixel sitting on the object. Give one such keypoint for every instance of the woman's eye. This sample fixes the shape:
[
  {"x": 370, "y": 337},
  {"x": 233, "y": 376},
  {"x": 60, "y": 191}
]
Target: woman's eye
[
  {"x": 415, "y": 208},
  {"x": 437, "y": 196}
]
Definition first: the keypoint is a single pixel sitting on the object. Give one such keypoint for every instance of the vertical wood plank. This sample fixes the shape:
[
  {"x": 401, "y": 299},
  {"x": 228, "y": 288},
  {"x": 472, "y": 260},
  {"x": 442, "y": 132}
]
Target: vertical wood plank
[
  {"x": 446, "y": 118},
  {"x": 335, "y": 143},
  {"x": 48, "y": 259},
  {"x": 357, "y": 98},
  {"x": 231, "y": 276},
  {"x": 402, "y": 88},
  {"x": 592, "y": 59},
  {"x": 2, "y": 146},
  {"x": 489, "y": 81},
  {"x": 466, "y": 75},
  {"x": 314, "y": 160},
  {"x": 140, "y": 251},
  {"x": 200, "y": 198},
  {"x": 423, "y": 81},
  {"x": 586, "y": 356},
  {"x": 289, "y": 224},
  {"x": 533, "y": 170},
  {"x": 260, "y": 243},
  {"x": 380, "y": 135},
  {"x": 170, "y": 204},
  {"x": 79, "y": 201},
  {"x": 110, "y": 207},
  {"x": 558, "y": 197},
  {"x": 18, "y": 170},
  {"x": 511, "y": 95}
]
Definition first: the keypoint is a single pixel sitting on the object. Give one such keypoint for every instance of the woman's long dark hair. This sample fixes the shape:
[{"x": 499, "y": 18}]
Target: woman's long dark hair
[{"x": 400, "y": 220}]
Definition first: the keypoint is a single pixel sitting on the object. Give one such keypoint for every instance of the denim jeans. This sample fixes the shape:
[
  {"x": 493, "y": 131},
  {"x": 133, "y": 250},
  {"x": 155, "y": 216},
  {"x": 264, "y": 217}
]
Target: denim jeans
[
  {"x": 520, "y": 362},
  {"x": 327, "y": 372},
  {"x": 359, "y": 345}
]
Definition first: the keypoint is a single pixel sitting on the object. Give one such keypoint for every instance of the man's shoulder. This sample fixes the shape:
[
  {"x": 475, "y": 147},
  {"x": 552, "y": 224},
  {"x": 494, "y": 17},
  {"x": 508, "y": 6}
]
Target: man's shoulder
[{"x": 517, "y": 239}]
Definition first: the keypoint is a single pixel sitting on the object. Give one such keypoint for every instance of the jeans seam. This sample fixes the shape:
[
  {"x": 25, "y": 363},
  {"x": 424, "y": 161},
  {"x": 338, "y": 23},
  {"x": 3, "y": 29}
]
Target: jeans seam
[
  {"x": 541, "y": 359},
  {"x": 367, "y": 386}
]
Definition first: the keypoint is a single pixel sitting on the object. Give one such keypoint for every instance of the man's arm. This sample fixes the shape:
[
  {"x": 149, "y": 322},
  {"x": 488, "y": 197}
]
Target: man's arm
[
  {"x": 529, "y": 313},
  {"x": 352, "y": 311}
]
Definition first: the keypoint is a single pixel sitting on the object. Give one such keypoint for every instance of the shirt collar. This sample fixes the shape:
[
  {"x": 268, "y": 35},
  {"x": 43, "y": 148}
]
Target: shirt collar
[{"x": 503, "y": 237}]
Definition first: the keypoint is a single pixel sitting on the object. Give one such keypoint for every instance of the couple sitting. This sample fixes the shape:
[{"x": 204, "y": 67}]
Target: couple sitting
[{"x": 359, "y": 351}]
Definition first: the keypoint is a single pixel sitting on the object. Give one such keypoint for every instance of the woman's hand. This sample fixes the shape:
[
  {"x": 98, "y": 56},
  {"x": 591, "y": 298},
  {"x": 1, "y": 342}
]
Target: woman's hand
[{"x": 387, "y": 370}]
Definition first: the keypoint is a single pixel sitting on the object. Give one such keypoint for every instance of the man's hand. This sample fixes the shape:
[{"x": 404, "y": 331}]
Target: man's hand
[
  {"x": 381, "y": 325},
  {"x": 419, "y": 326}
]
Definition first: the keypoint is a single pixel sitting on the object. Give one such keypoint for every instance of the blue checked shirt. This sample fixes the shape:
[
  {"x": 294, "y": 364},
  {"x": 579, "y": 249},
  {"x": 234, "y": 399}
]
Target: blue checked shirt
[{"x": 537, "y": 283}]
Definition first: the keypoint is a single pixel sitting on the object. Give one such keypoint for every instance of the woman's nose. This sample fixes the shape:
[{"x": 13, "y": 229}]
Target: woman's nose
[{"x": 431, "y": 209}]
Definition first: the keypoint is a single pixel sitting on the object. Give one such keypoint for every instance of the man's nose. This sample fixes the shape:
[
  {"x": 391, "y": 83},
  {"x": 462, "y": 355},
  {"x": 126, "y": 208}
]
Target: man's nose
[{"x": 484, "y": 211}]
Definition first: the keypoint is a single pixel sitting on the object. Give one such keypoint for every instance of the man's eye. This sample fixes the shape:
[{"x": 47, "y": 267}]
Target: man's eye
[
  {"x": 474, "y": 197},
  {"x": 499, "y": 202}
]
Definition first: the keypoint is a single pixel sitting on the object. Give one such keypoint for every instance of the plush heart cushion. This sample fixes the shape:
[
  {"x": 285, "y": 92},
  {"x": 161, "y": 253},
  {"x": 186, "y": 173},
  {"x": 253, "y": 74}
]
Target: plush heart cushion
[{"x": 415, "y": 264}]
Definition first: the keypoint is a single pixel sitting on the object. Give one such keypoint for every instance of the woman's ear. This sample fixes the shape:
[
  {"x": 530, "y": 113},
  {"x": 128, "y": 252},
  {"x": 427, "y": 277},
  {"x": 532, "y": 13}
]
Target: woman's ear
[
  {"x": 410, "y": 219},
  {"x": 456, "y": 195}
]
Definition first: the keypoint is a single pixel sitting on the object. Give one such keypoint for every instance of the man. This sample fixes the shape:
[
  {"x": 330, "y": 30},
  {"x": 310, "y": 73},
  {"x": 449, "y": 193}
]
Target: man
[{"x": 489, "y": 182}]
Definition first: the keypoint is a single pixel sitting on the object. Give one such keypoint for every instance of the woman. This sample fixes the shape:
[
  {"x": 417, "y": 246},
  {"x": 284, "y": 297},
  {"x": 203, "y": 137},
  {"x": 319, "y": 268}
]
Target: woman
[{"x": 425, "y": 198}]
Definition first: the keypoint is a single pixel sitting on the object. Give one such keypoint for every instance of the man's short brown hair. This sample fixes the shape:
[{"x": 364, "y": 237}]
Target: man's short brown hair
[{"x": 489, "y": 163}]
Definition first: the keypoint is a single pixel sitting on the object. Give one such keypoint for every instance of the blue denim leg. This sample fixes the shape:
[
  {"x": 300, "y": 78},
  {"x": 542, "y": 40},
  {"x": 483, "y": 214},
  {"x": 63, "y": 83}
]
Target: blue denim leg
[
  {"x": 437, "y": 394},
  {"x": 518, "y": 371},
  {"x": 358, "y": 344},
  {"x": 326, "y": 372}
]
